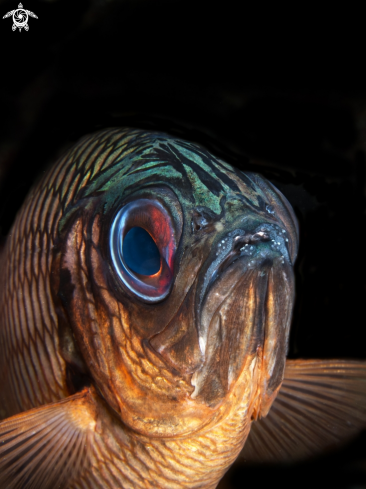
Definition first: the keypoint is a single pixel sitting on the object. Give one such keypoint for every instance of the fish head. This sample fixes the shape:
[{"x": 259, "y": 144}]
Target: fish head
[{"x": 173, "y": 282}]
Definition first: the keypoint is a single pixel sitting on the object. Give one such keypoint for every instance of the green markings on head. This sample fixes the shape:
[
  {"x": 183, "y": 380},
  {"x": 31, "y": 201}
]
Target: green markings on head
[
  {"x": 153, "y": 161},
  {"x": 202, "y": 195},
  {"x": 123, "y": 161}
]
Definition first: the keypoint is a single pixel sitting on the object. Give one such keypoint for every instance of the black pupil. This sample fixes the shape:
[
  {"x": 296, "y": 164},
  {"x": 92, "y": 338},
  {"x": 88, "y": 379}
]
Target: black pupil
[{"x": 140, "y": 253}]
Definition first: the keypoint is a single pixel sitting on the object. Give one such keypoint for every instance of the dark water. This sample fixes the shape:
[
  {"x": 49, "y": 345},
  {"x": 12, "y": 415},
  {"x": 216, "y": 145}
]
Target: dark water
[{"x": 261, "y": 93}]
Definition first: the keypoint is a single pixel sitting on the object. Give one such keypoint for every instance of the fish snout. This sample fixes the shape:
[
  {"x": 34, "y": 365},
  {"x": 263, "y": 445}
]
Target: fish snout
[{"x": 248, "y": 248}]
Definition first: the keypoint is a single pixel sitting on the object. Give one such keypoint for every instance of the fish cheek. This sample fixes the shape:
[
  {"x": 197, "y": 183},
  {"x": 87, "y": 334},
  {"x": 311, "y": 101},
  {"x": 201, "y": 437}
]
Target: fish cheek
[
  {"x": 78, "y": 311},
  {"x": 178, "y": 343}
]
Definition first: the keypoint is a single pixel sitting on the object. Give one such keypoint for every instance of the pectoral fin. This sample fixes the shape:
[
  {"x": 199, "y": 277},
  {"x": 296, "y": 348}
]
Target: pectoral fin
[
  {"x": 47, "y": 447},
  {"x": 321, "y": 405}
]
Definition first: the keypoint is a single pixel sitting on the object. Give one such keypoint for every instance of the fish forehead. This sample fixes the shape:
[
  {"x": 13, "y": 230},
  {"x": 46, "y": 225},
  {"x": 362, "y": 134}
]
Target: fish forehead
[{"x": 117, "y": 162}]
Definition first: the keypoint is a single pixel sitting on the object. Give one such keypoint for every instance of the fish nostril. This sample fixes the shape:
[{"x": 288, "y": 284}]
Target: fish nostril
[
  {"x": 249, "y": 239},
  {"x": 261, "y": 236}
]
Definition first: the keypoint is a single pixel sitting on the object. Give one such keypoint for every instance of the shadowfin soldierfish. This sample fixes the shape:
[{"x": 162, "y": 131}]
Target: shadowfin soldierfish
[{"x": 145, "y": 303}]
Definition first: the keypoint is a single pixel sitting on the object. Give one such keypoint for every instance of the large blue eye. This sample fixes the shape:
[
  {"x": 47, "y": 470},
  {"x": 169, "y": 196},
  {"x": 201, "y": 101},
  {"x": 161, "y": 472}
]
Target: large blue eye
[
  {"x": 142, "y": 246},
  {"x": 140, "y": 252}
]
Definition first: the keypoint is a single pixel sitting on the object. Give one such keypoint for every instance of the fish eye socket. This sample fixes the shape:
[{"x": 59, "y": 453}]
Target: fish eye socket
[
  {"x": 140, "y": 252},
  {"x": 142, "y": 247}
]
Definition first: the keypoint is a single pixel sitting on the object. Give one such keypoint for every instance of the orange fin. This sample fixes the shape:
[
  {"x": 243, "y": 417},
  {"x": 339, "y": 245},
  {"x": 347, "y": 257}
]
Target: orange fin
[
  {"x": 47, "y": 447},
  {"x": 321, "y": 405}
]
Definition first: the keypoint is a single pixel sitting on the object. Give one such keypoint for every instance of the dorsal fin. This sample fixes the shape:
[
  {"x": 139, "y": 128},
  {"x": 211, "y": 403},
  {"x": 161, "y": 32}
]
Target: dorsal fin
[
  {"x": 47, "y": 447},
  {"x": 321, "y": 405}
]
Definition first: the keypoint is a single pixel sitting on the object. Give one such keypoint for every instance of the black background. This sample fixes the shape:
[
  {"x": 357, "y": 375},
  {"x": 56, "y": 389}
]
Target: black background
[{"x": 278, "y": 92}]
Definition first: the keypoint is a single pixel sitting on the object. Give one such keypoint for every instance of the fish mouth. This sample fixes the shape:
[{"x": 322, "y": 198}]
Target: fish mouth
[
  {"x": 246, "y": 310},
  {"x": 267, "y": 242}
]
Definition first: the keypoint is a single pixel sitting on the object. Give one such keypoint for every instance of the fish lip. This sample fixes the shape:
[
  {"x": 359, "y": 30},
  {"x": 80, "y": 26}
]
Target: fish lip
[
  {"x": 246, "y": 336},
  {"x": 228, "y": 335},
  {"x": 245, "y": 263}
]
